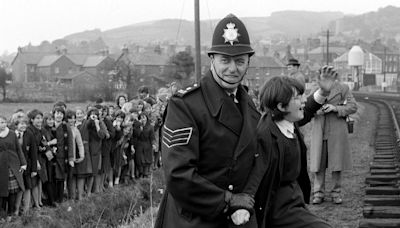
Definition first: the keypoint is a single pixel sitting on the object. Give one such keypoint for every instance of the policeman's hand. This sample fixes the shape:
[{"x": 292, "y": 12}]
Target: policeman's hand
[
  {"x": 240, "y": 217},
  {"x": 327, "y": 76},
  {"x": 240, "y": 201}
]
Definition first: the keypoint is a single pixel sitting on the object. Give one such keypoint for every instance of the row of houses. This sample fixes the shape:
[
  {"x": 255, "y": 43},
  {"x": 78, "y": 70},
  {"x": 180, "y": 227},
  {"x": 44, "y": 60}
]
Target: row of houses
[{"x": 149, "y": 68}]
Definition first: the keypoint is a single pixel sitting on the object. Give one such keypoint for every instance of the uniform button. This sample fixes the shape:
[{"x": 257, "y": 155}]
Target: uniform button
[{"x": 230, "y": 187}]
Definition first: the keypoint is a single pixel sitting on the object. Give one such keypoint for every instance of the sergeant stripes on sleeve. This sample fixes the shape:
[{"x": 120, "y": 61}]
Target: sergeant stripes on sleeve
[{"x": 176, "y": 137}]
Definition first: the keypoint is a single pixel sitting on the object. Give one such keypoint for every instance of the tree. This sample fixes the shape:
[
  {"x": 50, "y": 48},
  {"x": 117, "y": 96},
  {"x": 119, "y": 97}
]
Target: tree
[
  {"x": 185, "y": 66},
  {"x": 4, "y": 78}
]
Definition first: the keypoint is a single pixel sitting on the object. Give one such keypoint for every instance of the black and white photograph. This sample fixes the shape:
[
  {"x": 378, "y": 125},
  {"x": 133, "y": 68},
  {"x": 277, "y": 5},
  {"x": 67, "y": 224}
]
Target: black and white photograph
[{"x": 199, "y": 114}]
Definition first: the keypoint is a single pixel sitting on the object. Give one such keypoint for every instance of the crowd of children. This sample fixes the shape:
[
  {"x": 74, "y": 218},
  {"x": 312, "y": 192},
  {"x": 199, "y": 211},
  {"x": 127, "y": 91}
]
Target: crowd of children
[{"x": 76, "y": 150}]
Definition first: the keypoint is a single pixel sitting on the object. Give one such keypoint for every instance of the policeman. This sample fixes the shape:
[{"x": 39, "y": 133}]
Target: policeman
[{"x": 209, "y": 140}]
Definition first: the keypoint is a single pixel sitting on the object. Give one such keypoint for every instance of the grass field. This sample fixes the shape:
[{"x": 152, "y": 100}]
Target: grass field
[{"x": 7, "y": 109}]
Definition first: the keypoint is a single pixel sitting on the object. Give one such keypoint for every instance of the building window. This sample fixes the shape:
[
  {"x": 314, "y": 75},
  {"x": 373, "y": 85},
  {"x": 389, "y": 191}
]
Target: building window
[
  {"x": 57, "y": 70},
  {"x": 32, "y": 69},
  {"x": 143, "y": 70},
  {"x": 161, "y": 69}
]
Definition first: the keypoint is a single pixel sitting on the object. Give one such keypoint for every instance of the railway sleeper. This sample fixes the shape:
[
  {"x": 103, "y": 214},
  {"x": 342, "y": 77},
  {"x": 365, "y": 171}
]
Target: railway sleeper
[
  {"x": 382, "y": 200},
  {"x": 384, "y": 171},
  {"x": 375, "y": 165},
  {"x": 381, "y": 212},
  {"x": 379, "y": 223},
  {"x": 382, "y": 190}
]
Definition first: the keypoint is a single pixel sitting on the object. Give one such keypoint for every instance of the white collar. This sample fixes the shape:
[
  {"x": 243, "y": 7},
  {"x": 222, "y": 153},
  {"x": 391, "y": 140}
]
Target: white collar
[
  {"x": 286, "y": 127},
  {"x": 234, "y": 94},
  {"x": 4, "y": 133}
]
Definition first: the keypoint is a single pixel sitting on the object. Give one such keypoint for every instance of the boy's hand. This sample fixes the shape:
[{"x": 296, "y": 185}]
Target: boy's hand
[{"x": 326, "y": 79}]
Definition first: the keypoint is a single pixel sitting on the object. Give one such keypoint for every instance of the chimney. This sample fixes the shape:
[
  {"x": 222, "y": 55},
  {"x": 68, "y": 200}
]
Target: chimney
[
  {"x": 19, "y": 49},
  {"x": 125, "y": 49},
  {"x": 58, "y": 51},
  {"x": 64, "y": 50}
]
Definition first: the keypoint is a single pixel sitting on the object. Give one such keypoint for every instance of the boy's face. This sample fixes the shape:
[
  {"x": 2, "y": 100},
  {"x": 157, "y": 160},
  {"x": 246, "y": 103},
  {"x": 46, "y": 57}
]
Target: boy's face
[
  {"x": 71, "y": 121},
  {"x": 80, "y": 115},
  {"x": 295, "y": 108},
  {"x": 127, "y": 130},
  {"x": 21, "y": 126},
  {"x": 58, "y": 116},
  {"x": 50, "y": 122},
  {"x": 3, "y": 124},
  {"x": 37, "y": 121}
]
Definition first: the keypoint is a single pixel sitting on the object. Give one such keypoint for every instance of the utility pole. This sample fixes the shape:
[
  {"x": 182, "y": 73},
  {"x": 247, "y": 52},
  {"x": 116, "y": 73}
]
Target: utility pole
[
  {"x": 197, "y": 65},
  {"x": 384, "y": 69},
  {"x": 327, "y": 47}
]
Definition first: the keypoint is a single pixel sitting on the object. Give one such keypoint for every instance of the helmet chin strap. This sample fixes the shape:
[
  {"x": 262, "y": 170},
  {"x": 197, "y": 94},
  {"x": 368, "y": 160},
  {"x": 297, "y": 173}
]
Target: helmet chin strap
[{"x": 230, "y": 83}]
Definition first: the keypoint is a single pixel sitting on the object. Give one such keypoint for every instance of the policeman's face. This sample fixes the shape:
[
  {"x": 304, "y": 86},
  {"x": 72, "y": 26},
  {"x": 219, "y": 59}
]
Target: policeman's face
[{"x": 228, "y": 71}]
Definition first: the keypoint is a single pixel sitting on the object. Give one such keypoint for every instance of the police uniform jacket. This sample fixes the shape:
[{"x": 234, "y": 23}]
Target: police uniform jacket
[
  {"x": 209, "y": 147},
  {"x": 269, "y": 166}
]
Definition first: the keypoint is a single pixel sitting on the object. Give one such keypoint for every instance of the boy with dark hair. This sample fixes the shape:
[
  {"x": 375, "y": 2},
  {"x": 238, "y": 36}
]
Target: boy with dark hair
[{"x": 285, "y": 186}]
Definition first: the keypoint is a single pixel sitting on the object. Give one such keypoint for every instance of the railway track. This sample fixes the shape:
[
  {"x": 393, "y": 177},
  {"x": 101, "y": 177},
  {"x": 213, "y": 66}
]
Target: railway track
[{"x": 382, "y": 194}]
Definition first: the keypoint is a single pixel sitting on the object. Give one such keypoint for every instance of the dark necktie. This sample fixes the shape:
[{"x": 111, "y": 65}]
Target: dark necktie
[{"x": 233, "y": 97}]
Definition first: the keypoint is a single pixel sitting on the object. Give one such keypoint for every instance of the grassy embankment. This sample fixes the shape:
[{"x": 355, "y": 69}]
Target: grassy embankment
[{"x": 122, "y": 206}]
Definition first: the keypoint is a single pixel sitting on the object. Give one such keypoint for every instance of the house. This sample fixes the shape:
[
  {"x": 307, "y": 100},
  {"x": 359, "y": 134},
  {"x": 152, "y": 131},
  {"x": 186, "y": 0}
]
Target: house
[
  {"x": 143, "y": 69},
  {"x": 98, "y": 65},
  {"x": 319, "y": 54},
  {"x": 52, "y": 66},
  {"x": 261, "y": 69},
  {"x": 24, "y": 66},
  {"x": 82, "y": 79}
]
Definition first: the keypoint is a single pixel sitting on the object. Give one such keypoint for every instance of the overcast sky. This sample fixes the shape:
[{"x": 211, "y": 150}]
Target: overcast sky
[{"x": 24, "y": 21}]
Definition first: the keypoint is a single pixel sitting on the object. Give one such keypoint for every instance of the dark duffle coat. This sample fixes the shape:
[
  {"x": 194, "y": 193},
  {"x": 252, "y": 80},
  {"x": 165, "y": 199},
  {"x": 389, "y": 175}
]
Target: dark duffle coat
[
  {"x": 271, "y": 149},
  {"x": 30, "y": 148},
  {"x": 209, "y": 147},
  {"x": 11, "y": 157}
]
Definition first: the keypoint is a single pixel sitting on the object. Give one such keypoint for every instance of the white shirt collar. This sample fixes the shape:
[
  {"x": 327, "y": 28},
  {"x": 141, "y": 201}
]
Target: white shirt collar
[
  {"x": 19, "y": 132},
  {"x": 234, "y": 93},
  {"x": 286, "y": 127}
]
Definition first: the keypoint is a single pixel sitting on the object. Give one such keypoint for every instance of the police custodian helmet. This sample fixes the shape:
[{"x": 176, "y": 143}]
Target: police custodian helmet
[{"x": 230, "y": 38}]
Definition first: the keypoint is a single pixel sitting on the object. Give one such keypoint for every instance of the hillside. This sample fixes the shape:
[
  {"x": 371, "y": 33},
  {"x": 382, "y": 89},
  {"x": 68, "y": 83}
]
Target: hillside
[
  {"x": 285, "y": 23},
  {"x": 384, "y": 23}
]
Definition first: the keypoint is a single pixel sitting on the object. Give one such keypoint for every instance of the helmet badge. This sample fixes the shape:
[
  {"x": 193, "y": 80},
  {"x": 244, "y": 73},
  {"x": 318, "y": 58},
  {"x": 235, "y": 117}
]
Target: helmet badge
[{"x": 231, "y": 33}]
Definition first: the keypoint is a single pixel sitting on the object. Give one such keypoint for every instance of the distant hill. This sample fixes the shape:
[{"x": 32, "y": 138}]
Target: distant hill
[
  {"x": 384, "y": 23},
  {"x": 284, "y": 23}
]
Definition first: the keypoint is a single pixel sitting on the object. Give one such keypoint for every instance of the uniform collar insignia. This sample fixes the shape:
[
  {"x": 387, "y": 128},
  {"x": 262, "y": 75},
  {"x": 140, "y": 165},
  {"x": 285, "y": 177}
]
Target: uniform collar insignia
[{"x": 231, "y": 33}]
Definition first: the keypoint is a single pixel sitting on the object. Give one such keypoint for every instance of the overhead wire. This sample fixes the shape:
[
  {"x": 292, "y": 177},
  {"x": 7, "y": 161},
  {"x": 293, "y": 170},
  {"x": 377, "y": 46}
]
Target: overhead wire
[
  {"x": 209, "y": 17},
  {"x": 180, "y": 22}
]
